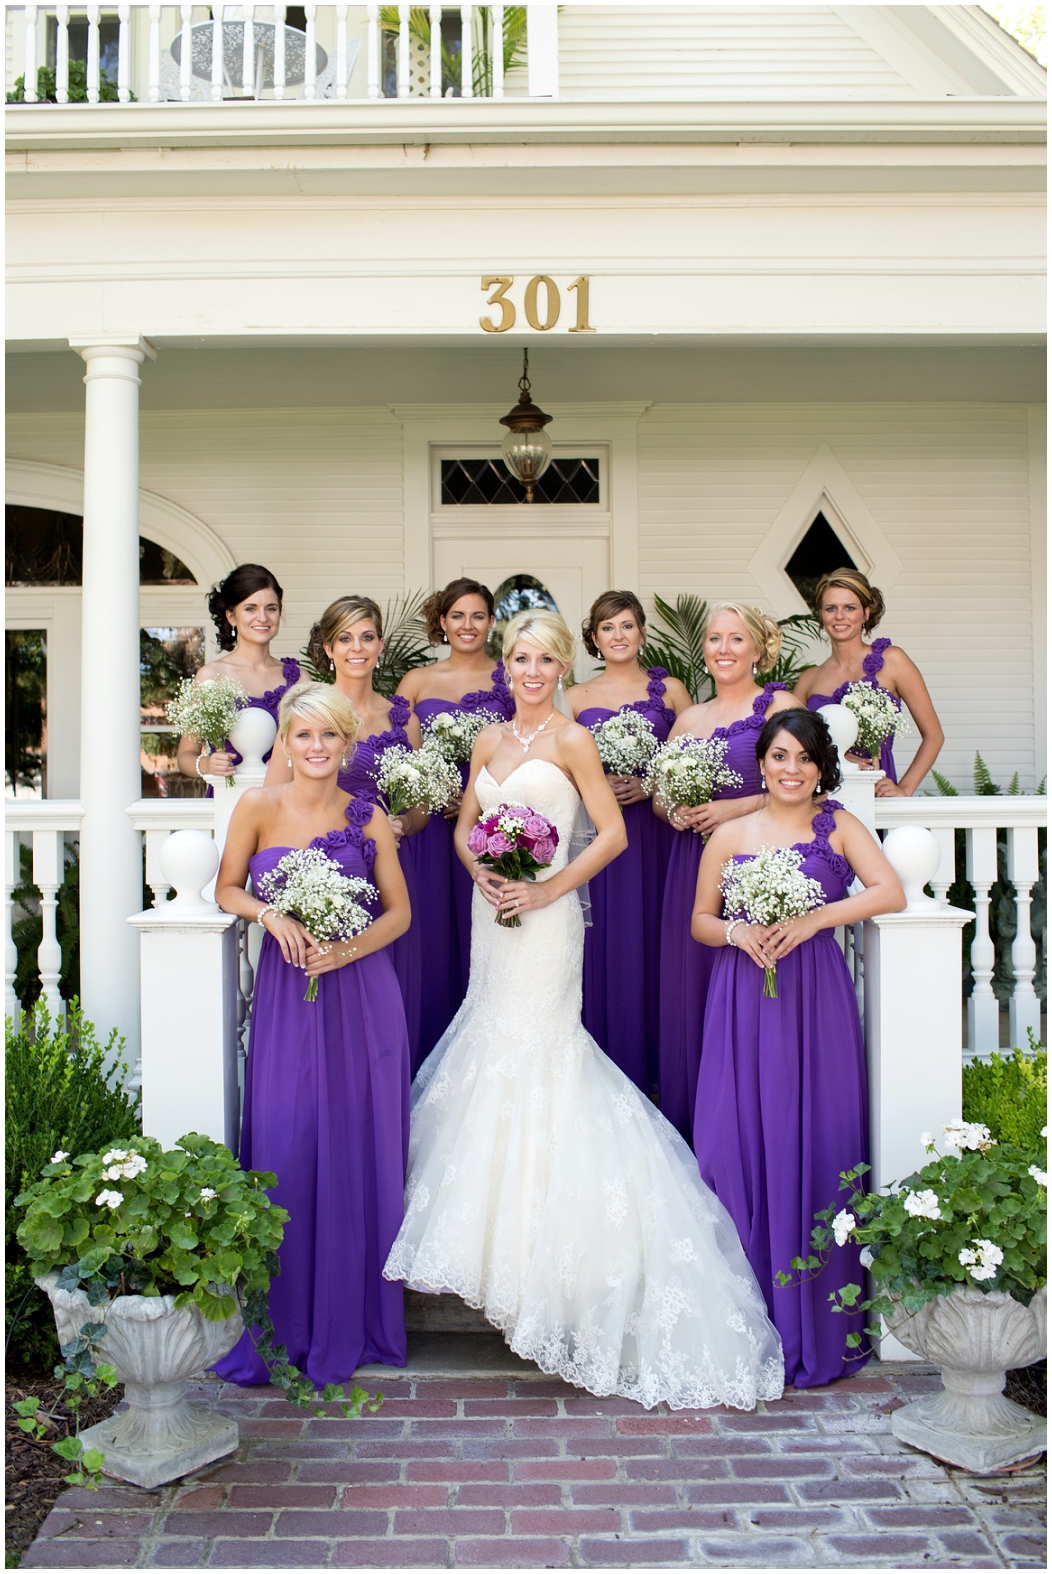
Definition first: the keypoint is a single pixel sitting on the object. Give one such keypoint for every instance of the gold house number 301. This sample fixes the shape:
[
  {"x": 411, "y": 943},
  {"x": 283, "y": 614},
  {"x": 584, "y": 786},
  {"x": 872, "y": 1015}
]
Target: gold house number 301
[{"x": 540, "y": 287}]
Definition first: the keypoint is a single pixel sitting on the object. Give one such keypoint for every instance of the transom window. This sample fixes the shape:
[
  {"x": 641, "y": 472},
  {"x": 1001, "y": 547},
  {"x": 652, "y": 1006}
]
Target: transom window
[{"x": 489, "y": 481}]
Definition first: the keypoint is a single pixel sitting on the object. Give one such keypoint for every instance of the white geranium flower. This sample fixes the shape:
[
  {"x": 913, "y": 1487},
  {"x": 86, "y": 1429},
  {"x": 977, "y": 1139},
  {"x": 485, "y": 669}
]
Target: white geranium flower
[
  {"x": 1044, "y": 1131},
  {"x": 1041, "y": 1176},
  {"x": 57, "y": 1158},
  {"x": 843, "y": 1225},
  {"x": 115, "y": 1156},
  {"x": 208, "y": 1195},
  {"x": 109, "y": 1199},
  {"x": 922, "y": 1205},
  {"x": 982, "y": 1263},
  {"x": 970, "y": 1135},
  {"x": 927, "y": 1141},
  {"x": 866, "y": 1256}
]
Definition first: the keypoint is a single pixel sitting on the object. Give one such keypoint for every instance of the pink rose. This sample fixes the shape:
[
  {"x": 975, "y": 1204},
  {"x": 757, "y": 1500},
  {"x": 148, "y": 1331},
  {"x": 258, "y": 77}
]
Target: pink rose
[
  {"x": 477, "y": 839},
  {"x": 516, "y": 811},
  {"x": 544, "y": 850},
  {"x": 498, "y": 844},
  {"x": 536, "y": 826}
]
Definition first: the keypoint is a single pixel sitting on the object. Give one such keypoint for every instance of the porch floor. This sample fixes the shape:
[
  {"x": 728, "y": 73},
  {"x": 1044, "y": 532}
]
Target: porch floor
[{"x": 478, "y": 1460}]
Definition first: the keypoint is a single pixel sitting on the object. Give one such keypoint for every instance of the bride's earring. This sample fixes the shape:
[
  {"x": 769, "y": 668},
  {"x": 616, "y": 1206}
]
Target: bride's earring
[{"x": 288, "y": 759}]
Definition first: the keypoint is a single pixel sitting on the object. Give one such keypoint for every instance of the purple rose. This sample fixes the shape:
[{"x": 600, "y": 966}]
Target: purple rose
[
  {"x": 477, "y": 839},
  {"x": 498, "y": 844},
  {"x": 517, "y": 811},
  {"x": 544, "y": 850},
  {"x": 536, "y": 826}
]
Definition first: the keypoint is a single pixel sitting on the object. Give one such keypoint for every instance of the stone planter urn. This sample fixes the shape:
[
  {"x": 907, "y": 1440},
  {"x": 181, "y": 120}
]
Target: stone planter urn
[
  {"x": 975, "y": 1338},
  {"x": 155, "y": 1350}
]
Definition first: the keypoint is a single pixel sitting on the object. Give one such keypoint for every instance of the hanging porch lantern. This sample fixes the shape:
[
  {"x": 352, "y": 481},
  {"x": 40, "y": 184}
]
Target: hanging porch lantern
[{"x": 527, "y": 448}]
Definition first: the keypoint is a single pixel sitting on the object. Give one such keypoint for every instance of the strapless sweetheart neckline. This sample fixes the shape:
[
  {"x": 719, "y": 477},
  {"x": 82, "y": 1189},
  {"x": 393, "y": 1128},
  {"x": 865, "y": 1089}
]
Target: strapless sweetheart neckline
[{"x": 500, "y": 786}]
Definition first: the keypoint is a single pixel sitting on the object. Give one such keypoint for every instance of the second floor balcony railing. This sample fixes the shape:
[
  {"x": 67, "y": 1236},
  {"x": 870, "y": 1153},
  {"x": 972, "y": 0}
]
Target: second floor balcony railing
[{"x": 152, "y": 53}]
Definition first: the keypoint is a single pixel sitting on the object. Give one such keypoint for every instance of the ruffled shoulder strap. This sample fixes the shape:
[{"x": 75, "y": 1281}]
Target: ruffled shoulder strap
[
  {"x": 400, "y": 709},
  {"x": 358, "y": 813},
  {"x": 874, "y": 662},
  {"x": 290, "y": 670},
  {"x": 501, "y": 692},
  {"x": 761, "y": 702},
  {"x": 824, "y": 822},
  {"x": 656, "y": 692}
]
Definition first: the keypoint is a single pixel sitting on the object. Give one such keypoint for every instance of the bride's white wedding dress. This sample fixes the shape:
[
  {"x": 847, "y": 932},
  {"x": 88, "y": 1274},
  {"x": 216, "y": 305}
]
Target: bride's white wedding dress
[{"x": 546, "y": 1190}]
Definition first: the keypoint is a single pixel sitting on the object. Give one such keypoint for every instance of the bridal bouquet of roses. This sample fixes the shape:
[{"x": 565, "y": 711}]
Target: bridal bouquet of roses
[
  {"x": 416, "y": 779},
  {"x": 769, "y": 888},
  {"x": 879, "y": 716},
  {"x": 452, "y": 733},
  {"x": 690, "y": 771},
  {"x": 308, "y": 885},
  {"x": 207, "y": 710},
  {"x": 515, "y": 841},
  {"x": 626, "y": 742}
]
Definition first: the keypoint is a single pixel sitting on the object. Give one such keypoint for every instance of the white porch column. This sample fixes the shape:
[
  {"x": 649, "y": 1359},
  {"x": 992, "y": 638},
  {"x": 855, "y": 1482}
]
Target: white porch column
[{"x": 110, "y": 855}]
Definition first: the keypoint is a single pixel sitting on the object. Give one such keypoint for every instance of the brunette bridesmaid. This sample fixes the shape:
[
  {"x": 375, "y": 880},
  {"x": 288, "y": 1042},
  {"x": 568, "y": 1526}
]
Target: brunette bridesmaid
[
  {"x": 327, "y": 1085},
  {"x": 246, "y": 610},
  {"x": 781, "y": 1107},
  {"x": 622, "y": 969},
  {"x": 347, "y": 641},
  {"x": 461, "y": 617},
  {"x": 849, "y": 608},
  {"x": 740, "y": 642}
]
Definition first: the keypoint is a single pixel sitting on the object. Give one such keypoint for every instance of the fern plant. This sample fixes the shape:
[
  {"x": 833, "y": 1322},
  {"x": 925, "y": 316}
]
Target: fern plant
[
  {"x": 678, "y": 645},
  {"x": 405, "y": 645}
]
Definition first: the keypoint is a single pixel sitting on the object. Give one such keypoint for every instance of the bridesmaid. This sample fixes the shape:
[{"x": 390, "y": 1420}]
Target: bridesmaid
[
  {"x": 347, "y": 641},
  {"x": 740, "y": 641},
  {"x": 460, "y": 616},
  {"x": 246, "y": 610},
  {"x": 781, "y": 1105},
  {"x": 327, "y": 1089},
  {"x": 621, "y": 958},
  {"x": 849, "y": 607}
]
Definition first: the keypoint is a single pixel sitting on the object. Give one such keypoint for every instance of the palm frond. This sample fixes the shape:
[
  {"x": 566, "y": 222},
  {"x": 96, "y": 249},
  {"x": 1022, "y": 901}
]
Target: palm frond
[
  {"x": 679, "y": 645},
  {"x": 405, "y": 645}
]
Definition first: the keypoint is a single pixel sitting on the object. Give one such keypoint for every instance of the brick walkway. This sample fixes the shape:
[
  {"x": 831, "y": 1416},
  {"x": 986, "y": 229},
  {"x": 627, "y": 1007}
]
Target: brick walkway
[{"x": 528, "y": 1473}]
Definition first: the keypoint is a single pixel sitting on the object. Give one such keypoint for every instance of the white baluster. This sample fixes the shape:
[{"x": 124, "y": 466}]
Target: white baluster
[
  {"x": 341, "y": 51},
  {"x": 217, "y": 53},
  {"x": 372, "y": 64},
  {"x": 983, "y": 1009},
  {"x": 30, "y": 66},
  {"x": 310, "y": 67},
  {"x": 497, "y": 48},
  {"x": 1024, "y": 1008},
  {"x": 435, "y": 17},
  {"x": 403, "y": 51},
  {"x": 186, "y": 54},
  {"x": 62, "y": 54},
  {"x": 93, "y": 53},
  {"x": 48, "y": 869},
  {"x": 248, "y": 48},
  {"x": 466, "y": 52},
  {"x": 12, "y": 845},
  {"x": 156, "y": 879},
  {"x": 279, "y": 50},
  {"x": 944, "y": 876},
  {"x": 154, "y": 68},
  {"x": 123, "y": 54}
]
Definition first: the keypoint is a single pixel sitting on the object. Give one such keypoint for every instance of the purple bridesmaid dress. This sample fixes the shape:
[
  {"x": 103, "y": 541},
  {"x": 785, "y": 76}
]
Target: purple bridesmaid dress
[
  {"x": 622, "y": 970},
  {"x": 360, "y": 780},
  {"x": 872, "y": 664},
  {"x": 270, "y": 702},
  {"x": 444, "y": 886},
  {"x": 327, "y": 1109},
  {"x": 781, "y": 1110},
  {"x": 686, "y": 965}
]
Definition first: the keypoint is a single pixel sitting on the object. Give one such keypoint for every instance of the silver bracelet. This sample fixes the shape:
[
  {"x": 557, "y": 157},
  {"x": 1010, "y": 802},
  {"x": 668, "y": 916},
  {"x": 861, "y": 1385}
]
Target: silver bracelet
[
  {"x": 731, "y": 926},
  {"x": 262, "y": 914},
  {"x": 197, "y": 765}
]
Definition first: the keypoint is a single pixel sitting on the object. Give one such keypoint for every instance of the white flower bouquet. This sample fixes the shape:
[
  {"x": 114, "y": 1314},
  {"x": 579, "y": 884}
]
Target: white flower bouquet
[
  {"x": 879, "y": 717},
  {"x": 769, "y": 888},
  {"x": 207, "y": 710},
  {"x": 308, "y": 885},
  {"x": 416, "y": 779},
  {"x": 690, "y": 771},
  {"x": 452, "y": 733},
  {"x": 627, "y": 743}
]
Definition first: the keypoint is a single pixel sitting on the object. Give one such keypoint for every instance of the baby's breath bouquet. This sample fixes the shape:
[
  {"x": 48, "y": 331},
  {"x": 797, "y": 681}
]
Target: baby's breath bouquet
[
  {"x": 769, "y": 888},
  {"x": 879, "y": 715},
  {"x": 416, "y": 779},
  {"x": 626, "y": 742},
  {"x": 690, "y": 771},
  {"x": 452, "y": 733},
  {"x": 207, "y": 710},
  {"x": 307, "y": 884}
]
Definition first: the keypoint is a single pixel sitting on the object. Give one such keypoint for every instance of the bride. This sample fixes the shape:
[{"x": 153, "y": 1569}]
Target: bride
[{"x": 543, "y": 1187}]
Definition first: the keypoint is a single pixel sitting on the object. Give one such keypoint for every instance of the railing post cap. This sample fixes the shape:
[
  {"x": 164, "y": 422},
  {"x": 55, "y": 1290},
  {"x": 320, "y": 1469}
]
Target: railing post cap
[{"x": 189, "y": 860}]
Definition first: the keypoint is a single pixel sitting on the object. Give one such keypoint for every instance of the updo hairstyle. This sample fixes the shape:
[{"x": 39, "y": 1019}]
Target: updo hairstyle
[
  {"x": 230, "y": 592},
  {"x": 441, "y": 603},
  {"x": 810, "y": 730},
  {"x": 608, "y": 605},
  {"x": 544, "y": 628},
  {"x": 337, "y": 617},
  {"x": 318, "y": 702},
  {"x": 857, "y": 583},
  {"x": 763, "y": 630}
]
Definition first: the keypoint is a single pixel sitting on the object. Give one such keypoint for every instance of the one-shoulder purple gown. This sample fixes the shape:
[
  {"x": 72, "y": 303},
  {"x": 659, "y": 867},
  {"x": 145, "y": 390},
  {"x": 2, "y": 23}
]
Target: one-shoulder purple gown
[
  {"x": 270, "y": 702},
  {"x": 622, "y": 968},
  {"x": 686, "y": 965},
  {"x": 872, "y": 664},
  {"x": 327, "y": 1109},
  {"x": 360, "y": 780},
  {"x": 444, "y": 886},
  {"x": 781, "y": 1110}
]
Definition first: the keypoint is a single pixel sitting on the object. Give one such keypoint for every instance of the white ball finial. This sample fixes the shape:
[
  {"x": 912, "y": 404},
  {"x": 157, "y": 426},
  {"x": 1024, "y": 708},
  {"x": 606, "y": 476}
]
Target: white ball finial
[
  {"x": 913, "y": 853},
  {"x": 189, "y": 860},
  {"x": 842, "y": 724},
  {"x": 252, "y": 734}
]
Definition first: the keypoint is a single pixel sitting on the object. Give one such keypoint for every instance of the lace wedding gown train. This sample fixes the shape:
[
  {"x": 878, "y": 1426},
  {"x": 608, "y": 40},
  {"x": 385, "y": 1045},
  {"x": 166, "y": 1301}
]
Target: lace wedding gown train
[{"x": 547, "y": 1191}]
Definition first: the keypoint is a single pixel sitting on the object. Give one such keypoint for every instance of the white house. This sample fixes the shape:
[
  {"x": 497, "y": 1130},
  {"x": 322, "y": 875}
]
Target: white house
[{"x": 770, "y": 262}]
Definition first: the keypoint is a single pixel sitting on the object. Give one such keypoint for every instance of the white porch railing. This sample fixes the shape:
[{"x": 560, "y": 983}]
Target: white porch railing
[{"x": 153, "y": 53}]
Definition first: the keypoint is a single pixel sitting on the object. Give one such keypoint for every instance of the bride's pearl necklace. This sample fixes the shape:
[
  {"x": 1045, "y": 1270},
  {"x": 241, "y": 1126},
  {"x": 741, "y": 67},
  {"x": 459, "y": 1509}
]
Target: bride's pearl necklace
[{"x": 527, "y": 743}]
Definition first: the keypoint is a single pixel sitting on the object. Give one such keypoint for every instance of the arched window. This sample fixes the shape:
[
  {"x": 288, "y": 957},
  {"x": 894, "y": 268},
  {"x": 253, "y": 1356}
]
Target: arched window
[
  {"x": 46, "y": 547},
  {"x": 518, "y": 593}
]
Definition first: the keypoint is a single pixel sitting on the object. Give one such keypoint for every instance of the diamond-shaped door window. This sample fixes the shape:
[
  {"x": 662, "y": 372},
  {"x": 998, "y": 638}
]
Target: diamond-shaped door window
[{"x": 819, "y": 551}]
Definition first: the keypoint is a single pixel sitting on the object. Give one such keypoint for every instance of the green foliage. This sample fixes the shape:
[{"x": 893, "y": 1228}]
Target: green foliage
[
  {"x": 27, "y": 930},
  {"x": 62, "y": 1092},
  {"x": 299, "y": 1390},
  {"x": 677, "y": 643},
  {"x": 483, "y": 52},
  {"x": 405, "y": 645},
  {"x": 47, "y": 90},
  {"x": 85, "y": 1377},
  {"x": 1009, "y": 1094}
]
